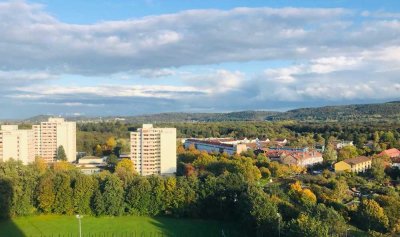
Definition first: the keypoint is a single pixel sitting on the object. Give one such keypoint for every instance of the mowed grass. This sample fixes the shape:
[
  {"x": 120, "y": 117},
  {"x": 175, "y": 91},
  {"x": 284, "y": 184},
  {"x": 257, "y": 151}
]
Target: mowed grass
[{"x": 58, "y": 226}]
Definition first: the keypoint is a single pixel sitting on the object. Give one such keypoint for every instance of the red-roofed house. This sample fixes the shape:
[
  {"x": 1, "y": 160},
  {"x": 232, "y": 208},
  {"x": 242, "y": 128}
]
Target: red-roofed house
[
  {"x": 392, "y": 153},
  {"x": 303, "y": 159}
]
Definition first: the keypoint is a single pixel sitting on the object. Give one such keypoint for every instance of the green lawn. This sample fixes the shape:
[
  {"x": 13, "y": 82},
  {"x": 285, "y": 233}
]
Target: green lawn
[{"x": 59, "y": 226}]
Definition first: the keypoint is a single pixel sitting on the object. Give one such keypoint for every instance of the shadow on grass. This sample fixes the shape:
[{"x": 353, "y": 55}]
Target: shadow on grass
[
  {"x": 175, "y": 227},
  {"x": 7, "y": 226}
]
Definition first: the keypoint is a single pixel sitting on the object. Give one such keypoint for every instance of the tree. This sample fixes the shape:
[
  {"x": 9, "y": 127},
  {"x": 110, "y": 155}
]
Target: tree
[
  {"x": 203, "y": 160},
  {"x": 98, "y": 151},
  {"x": 113, "y": 195},
  {"x": 340, "y": 189},
  {"x": 63, "y": 166},
  {"x": 265, "y": 173},
  {"x": 347, "y": 152},
  {"x": 61, "y": 156},
  {"x": 332, "y": 219},
  {"x": 83, "y": 188},
  {"x": 46, "y": 193},
  {"x": 62, "y": 194},
  {"x": 40, "y": 165},
  {"x": 126, "y": 166},
  {"x": 330, "y": 155},
  {"x": 138, "y": 197},
  {"x": 125, "y": 170},
  {"x": 304, "y": 196},
  {"x": 391, "y": 207},
  {"x": 112, "y": 161},
  {"x": 258, "y": 212},
  {"x": 371, "y": 216},
  {"x": 111, "y": 143},
  {"x": 5, "y": 197},
  {"x": 378, "y": 169},
  {"x": 307, "y": 226}
]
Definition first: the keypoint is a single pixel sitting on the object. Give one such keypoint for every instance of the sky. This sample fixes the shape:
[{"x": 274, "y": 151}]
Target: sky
[{"x": 125, "y": 57}]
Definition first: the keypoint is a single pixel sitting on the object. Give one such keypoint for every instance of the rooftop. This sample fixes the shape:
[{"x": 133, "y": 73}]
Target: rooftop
[
  {"x": 357, "y": 160},
  {"x": 391, "y": 152}
]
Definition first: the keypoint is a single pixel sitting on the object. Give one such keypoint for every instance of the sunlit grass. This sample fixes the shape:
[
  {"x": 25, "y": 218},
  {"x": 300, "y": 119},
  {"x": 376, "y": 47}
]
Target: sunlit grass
[{"x": 53, "y": 225}]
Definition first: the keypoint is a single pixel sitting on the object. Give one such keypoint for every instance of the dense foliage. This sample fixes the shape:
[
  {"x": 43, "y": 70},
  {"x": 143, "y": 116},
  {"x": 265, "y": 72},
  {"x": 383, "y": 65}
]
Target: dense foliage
[{"x": 266, "y": 198}]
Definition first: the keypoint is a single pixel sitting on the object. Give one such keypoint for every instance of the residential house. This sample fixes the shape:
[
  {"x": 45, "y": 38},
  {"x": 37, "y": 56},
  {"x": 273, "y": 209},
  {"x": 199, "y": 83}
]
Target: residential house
[
  {"x": 340, "y": 144},
  {"x": 392, "y": 153},
  {"x": 303, "y": 159},
  {"x": 356, "y": 165}
]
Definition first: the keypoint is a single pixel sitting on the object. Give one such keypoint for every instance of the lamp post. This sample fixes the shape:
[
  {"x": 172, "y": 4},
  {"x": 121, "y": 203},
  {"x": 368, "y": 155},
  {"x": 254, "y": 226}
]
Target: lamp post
[
  {"x": 279, "y": 224},
  {"x": 79, "y": 217}
]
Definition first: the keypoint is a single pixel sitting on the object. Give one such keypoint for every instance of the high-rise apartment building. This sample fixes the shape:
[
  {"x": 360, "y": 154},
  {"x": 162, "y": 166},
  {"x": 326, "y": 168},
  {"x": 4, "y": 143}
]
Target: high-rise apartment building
[
  {"x": 16, "y": 144},
  {"x": 42, "y": 140},
  {"x": 153, "y": 150},
  {"x": 50, "y": 135}
]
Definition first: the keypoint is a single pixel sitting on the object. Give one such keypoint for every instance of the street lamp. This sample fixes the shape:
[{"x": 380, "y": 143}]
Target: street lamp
[
  {"x": 79, "y": 217},
  {"x": 279, "y": 224},
  {"x": 347, "y": 229}
]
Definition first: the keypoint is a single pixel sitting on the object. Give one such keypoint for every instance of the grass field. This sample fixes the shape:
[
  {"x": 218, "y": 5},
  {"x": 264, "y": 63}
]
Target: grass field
[{"x": 63, "y": 226}]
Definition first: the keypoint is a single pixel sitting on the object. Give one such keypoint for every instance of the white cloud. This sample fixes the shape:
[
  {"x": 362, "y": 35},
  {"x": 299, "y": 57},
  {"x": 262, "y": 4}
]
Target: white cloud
[
  {"x": 33, "y": 39},
  {"x": 332, "y": 55},
  {"x": 107, "y": 91}
]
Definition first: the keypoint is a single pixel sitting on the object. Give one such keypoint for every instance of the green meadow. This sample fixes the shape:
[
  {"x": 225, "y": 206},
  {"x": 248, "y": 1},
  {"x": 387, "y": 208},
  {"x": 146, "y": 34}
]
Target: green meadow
[{"x": 59, "y": 226}]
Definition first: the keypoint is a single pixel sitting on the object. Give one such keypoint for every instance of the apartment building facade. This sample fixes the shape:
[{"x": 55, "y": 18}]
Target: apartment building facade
[
  {"x": 153, "y": 150},
  {"x": 357, "y": 165},
  {"x": 16, "y": 144},
  {"x": 50, "y": 135},
  {"x": 215, "y": 146}
]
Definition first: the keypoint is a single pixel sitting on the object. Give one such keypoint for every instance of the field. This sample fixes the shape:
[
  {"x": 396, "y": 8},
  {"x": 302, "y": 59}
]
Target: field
[{"x": 126, "y": 226}]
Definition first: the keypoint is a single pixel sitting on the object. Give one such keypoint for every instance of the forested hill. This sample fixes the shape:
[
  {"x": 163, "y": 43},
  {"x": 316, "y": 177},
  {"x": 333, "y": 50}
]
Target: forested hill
[
  {"x": 361, "y": 112},
  {"x": 173, "y": 117},
  {"x": 365, "y": 112},
  {"x": 203, "y": 117}
]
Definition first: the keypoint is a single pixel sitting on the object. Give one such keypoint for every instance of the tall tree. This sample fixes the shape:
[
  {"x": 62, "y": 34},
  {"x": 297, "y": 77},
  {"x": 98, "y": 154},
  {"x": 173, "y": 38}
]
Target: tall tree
[
  {"x": 63, "y": 194},
  {"x": 83, "y": 188},
  {"x": 61, "y": 156},
  {"x": 113, "y": 196},
  {"x": 371, "y": 216},
  {"x": 46, "y": 193}
]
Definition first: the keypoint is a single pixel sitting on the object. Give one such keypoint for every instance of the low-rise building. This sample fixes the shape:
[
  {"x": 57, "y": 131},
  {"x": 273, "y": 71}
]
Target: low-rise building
[
  {"x": 340, "y": 144},
  {"x": 392, "y": 153},
  {"x": 295, "y": 156},
  {"x": 303, "y": 159},
  {"x": 215, "y": 146},
  {"x": 280, "y": 142},
  {"x": 91, "y": 164},
  {"x": 356, "y": 165}
]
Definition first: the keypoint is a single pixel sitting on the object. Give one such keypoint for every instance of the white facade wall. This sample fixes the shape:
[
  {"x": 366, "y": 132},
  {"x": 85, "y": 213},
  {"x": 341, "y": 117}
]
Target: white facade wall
[
  {"x": 16, "y": 144},
  {"x": 50, "y": 135},
  {"x": 153, "y": 150}
]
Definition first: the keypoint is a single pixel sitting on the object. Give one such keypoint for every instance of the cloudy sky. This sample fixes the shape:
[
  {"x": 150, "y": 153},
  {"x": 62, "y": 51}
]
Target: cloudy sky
[{"x": 103, "y": 57}]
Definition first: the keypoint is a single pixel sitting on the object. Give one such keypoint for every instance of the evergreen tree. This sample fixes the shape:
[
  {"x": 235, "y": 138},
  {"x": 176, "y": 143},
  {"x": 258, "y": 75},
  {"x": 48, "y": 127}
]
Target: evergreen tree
[{"x": 61, "y": 156}]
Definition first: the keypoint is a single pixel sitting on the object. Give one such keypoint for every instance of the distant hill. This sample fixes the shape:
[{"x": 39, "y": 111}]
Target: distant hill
[
  {"x": 383, "y": 111},
  {"x": 171, "y": 117},
  {"x": 203, "y": 117},
  {"x": 359, "y": 112}
]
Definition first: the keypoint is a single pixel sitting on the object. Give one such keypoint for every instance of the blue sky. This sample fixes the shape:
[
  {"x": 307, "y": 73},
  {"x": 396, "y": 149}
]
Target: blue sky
[{"x": 101, "y": 58}]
